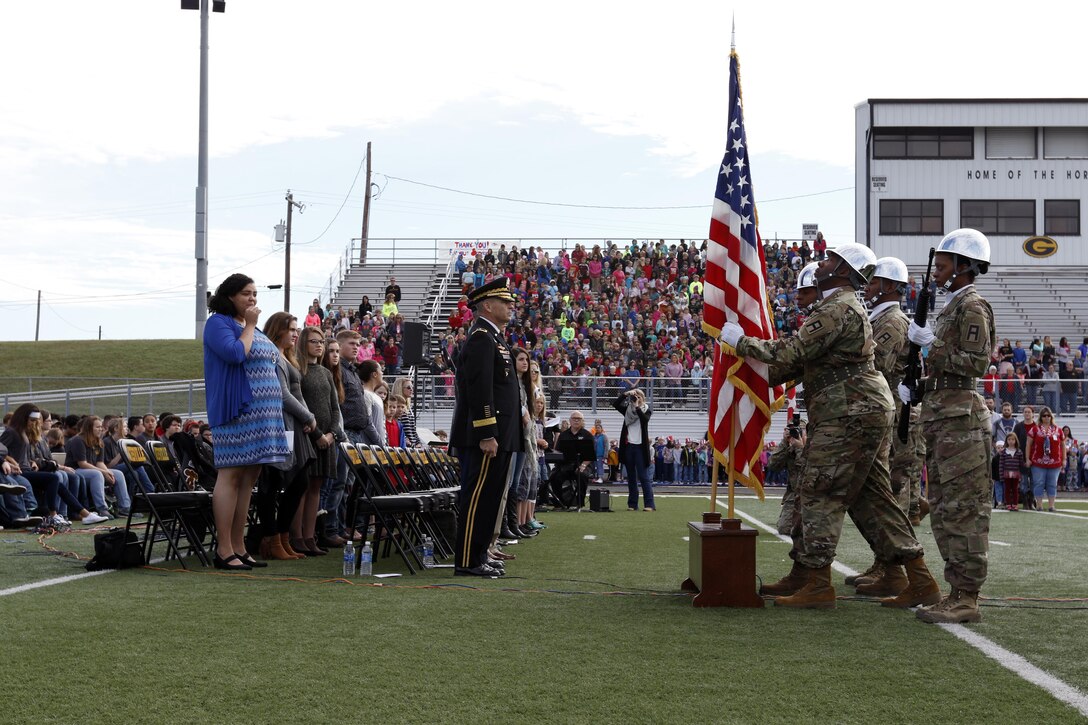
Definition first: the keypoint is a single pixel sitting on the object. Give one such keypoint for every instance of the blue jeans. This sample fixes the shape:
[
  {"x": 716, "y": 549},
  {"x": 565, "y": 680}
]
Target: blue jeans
[
  {"x": 139, "y": 475},
  {"x": 121, "y": 492},
  {"x": 96, "y": 483},
  {"x": 999, "y": 493},
  {"x": 1051, "y": 401},
  {"x": 18, "y": 505},
  {"x": 634, "y": 460},
  {"x": 1044, "y": 480}
]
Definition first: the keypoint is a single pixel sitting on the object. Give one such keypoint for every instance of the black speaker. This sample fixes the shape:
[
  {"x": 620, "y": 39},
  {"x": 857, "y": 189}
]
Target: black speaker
[{"x": 417, "y": 338}]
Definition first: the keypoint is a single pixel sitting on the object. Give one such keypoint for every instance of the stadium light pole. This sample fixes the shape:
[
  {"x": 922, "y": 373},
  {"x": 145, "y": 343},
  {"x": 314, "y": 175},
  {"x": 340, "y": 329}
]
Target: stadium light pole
[{"x": 201, "y": 251}]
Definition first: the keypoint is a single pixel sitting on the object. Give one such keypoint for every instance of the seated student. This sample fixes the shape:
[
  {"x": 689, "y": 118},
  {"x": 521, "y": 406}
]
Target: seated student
[
  {"x": 16, "y": 497},
  {"x": 579, "y": 455},
  {"x": 19, "y": 439},
  {"x": 171, "y": 426},
  {"x": 83, "y": 453}
]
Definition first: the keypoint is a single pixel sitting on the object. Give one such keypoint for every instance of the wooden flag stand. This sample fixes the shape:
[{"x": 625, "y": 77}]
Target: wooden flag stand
[{"x": 721, "y": 555}]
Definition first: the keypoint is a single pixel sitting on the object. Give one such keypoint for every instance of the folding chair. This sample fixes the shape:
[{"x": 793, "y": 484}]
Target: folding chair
[
  {"x": 171, "y": 515},
  {"x": 390, "y": 512},
  {"x": 165, "y": 465},
  {"x": 437, "y": 517}
]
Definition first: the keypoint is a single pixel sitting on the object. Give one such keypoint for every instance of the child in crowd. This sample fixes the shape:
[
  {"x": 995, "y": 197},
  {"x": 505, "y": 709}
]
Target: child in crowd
[
  {"x": 395, "y": 406},
  {"x": 1012, "y": 461}
]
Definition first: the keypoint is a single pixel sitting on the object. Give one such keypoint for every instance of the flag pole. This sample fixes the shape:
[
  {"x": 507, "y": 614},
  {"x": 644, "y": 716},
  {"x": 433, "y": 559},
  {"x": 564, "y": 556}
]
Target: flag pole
[
  {"x": 714, "y": 483},
  {"x": 732, "y": 466}
]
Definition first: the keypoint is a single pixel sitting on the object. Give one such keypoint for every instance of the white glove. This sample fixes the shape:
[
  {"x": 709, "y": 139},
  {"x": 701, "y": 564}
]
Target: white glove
[
  {"x": 731, "y": 334},
  {"x": 904, "y": 394},
  {"x": 920, "y": 335}
]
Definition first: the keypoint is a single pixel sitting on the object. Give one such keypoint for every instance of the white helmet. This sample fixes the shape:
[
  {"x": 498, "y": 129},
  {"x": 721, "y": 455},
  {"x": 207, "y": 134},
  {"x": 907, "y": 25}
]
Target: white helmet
[
  {"x": 970, "y": 244},
  {"x": 859, "y": 258},
  {"x": 807, "y": 276},
  {"x": 893, "y": 270}
]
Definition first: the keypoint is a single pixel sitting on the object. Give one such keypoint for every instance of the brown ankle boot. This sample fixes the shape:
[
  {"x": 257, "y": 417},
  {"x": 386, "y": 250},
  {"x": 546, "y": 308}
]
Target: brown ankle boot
[
  {"x": 960, "y": 608},
  {"x": 921, "y": 588},
  {"x": 817, "y": 593},
  {"x": 789, "y": 584},
  {"x": 923, "y": 508},
  {"x": 311, "y": 545},
  {"x": 285, "y": 542},
  {"x": 891, "y": 583},
  {"x": 873, "y": 572},
  {"x": 275, "y": 549}
]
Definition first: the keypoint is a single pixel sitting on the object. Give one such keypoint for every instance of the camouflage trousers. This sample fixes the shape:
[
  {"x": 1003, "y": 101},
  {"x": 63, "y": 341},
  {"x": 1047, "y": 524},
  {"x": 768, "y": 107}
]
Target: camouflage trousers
[
  {"x": 790, "y": 507},
  {"x": 846, "y": 468},
  {"x": 906, "y": 463},
  {"x": 960, "y": 495}
]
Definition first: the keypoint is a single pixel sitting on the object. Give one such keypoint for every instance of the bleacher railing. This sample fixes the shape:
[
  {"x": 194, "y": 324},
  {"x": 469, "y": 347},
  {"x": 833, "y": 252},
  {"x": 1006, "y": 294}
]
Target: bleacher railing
[{"x": 1066, "y": 397}]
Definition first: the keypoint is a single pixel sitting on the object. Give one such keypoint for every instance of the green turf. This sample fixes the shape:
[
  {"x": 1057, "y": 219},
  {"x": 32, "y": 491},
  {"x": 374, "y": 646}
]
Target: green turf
[
  {"x": 553, "y": 642},
  {"x": 73, "y": 364}
]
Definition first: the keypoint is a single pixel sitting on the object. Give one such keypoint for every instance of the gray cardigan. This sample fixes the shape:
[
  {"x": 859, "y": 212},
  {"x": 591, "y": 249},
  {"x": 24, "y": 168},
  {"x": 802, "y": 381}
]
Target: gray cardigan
[{"x": 295, "y": 414}]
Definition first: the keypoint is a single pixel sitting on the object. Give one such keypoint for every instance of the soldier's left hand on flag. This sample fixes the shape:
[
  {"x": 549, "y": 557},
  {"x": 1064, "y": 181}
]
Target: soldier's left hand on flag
[
  {"x": 731, "y": 334},
  {"x": 920, "y": 335}
]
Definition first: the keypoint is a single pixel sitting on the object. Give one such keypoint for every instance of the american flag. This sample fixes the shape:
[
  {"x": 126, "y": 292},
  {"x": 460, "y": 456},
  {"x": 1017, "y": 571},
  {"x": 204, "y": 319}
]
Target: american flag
[{"x": 741, "y": 397}]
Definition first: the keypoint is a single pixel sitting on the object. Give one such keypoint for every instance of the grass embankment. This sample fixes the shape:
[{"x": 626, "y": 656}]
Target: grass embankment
[
  {"x": 75, "y": 364},
  {"x": 584, "y": 630}
]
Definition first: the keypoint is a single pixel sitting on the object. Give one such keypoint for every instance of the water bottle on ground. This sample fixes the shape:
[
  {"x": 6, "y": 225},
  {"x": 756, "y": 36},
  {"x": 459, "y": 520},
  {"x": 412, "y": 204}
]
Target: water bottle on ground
[
  {"x": 366, "y": 557},
  {"x": 428, "y": 553},
  {"x": 349, "y": 559}
]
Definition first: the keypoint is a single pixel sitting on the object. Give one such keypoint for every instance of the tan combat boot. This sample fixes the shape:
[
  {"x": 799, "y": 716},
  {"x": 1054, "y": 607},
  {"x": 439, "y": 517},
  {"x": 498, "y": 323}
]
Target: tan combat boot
[
  {"x": 875, "y": 570},
  {"x": 817, "y": 593},
  {"x": 961, "y": 608},
  {"x": 923, "y": 511},
  {"x": 789, "y": 584},
  {"x": 921, "y": 588},
  {"x": 891, "y": 583}
]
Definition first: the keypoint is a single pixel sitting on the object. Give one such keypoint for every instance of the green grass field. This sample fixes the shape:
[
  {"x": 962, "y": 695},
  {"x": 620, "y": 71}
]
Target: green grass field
[
  {"x": 75, "y": 364},
  {"x": 583, "y": 630}
]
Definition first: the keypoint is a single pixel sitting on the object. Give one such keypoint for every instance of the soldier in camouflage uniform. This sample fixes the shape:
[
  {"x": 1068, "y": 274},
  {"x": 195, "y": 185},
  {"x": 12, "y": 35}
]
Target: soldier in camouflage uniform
[
  {"x": 956, "y": 423},
  {"x": 883, "y": 296},
  {"x": 787, "y": 457},
  {"x": 850, "y": 413}
]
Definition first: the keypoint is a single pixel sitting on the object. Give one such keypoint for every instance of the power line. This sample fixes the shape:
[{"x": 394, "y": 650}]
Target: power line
[
  {"x": 337, "y": 214},
  {"x": 601, "y": 206}
]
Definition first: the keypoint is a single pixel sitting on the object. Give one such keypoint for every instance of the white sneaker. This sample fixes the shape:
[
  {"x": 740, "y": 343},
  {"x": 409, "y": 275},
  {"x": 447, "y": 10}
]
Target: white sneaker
[
  {"x": 58, "y": 520},
  {"x": 94, "y": 518}
]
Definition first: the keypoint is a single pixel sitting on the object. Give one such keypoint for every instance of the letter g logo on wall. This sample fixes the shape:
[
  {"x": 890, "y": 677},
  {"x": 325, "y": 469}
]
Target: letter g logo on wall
[{"x": 1040, "y": 247}]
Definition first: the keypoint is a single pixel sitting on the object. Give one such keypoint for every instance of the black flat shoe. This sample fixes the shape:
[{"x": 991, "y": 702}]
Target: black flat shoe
[
  {"x": 226, "y": 563},
  {"x": 250, "y": 561}
]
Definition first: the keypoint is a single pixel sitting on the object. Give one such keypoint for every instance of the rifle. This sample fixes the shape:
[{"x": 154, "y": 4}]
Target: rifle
[{"x": 913, "y": 372}]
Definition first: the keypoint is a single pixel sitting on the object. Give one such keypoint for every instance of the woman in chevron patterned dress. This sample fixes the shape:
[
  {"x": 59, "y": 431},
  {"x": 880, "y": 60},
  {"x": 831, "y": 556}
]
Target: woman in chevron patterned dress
[{"x": 244, "y": 410}]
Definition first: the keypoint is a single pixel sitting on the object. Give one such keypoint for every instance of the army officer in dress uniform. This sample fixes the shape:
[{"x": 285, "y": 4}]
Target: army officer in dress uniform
[{"x": 486, "y": 429}]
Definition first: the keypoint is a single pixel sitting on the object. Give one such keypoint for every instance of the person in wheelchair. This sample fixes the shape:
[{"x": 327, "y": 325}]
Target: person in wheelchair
[{"x": 570, "y": 480}]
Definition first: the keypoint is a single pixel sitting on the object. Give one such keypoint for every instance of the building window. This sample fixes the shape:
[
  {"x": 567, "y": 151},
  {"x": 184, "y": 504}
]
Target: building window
[
  {"x": 911, "y": 216},
  {"x": 1014, "y": 217},
  {"x": 1061, "y": 216},
  {"x": 923, "y": 143},
  {"x": 1010, "y": 143},
  {"x": 1065, "y": 143}
]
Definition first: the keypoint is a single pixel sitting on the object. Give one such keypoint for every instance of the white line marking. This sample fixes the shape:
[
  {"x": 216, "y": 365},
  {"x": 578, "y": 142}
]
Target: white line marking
[
  {"x": 1021, "y": 667},
  {"x": 686, "y": 538},
  {"x": 999, "y": 543},
  {"x": 1064, "y": 516},
  {"x": 589, "y": 537},
  {"x": 1011, "y": 661},
  {"x": 51, "y": 582}
]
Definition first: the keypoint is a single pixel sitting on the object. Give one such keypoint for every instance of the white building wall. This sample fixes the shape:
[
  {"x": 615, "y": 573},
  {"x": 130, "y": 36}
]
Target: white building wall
[{"x": 979, "y": 178}]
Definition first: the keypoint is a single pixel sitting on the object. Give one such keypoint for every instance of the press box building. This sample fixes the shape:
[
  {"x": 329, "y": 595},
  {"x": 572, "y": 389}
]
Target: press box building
[{"x": 1016, "y": 169}]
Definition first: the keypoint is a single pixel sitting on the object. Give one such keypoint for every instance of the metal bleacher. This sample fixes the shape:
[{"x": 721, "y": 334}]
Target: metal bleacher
[
  {"x": 415, "y": 280},
  {"x": 1032, "y": 302}
]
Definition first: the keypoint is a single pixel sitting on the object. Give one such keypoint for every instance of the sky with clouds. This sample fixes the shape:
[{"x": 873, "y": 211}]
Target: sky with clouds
[{"x": 588, "y": 103}]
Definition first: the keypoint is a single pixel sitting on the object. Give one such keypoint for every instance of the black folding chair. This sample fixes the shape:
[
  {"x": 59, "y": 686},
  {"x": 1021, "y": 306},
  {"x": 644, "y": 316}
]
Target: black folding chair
[
  {"x": 390, "y": 512},
  {"x": 172, "y": 516},
  {"x": 165, "y": 465}
]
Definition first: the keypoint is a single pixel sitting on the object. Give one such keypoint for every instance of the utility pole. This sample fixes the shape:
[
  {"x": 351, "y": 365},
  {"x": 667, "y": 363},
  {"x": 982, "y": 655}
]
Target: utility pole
[
  {"x": 38, "y": 317},
  {"x": 366, "y": 210},
  {"x": 291, "y": 204},
  {"x": 201, "y": 252}
]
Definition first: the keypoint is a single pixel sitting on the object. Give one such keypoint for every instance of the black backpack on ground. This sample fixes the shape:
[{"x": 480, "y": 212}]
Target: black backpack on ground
[{"x": 116, "y": 549}]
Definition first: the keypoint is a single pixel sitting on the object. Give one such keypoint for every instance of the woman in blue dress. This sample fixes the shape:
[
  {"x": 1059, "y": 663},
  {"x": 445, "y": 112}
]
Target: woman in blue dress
[{"x": 244, "y": 410}]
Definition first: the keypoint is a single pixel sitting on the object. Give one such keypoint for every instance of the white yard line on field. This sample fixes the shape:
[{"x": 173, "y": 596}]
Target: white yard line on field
[
  {"x": 1017, "y": 664},
  {"x": 51, "y": 582}
]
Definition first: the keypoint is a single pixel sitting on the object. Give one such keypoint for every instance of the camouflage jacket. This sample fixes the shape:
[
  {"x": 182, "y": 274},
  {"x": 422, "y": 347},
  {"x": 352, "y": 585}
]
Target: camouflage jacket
[
  {"x": 965, "y": 335},
  {"x": 786, "y": 457},
  {"x": 890, "y": 336},
  {"x": 837, "y": 335}
]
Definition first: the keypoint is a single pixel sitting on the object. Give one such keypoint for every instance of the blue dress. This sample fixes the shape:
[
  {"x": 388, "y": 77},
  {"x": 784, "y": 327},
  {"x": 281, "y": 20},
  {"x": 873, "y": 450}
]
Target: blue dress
[{"x": 257, "y": 434}]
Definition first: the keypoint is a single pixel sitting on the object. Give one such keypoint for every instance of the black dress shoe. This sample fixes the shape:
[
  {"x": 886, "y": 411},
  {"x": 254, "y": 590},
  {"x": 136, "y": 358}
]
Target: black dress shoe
[
  {"x": 507, "y": 533},
  {"x": 226, "y": 563},
  {"x": 250, "y": 561},
  {"x": 481, "y": 571},
  {"x": 528, "y": 533}
]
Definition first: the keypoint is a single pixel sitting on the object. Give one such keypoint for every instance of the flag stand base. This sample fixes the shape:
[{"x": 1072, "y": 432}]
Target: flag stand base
[{"x": 721, "y": 563}]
